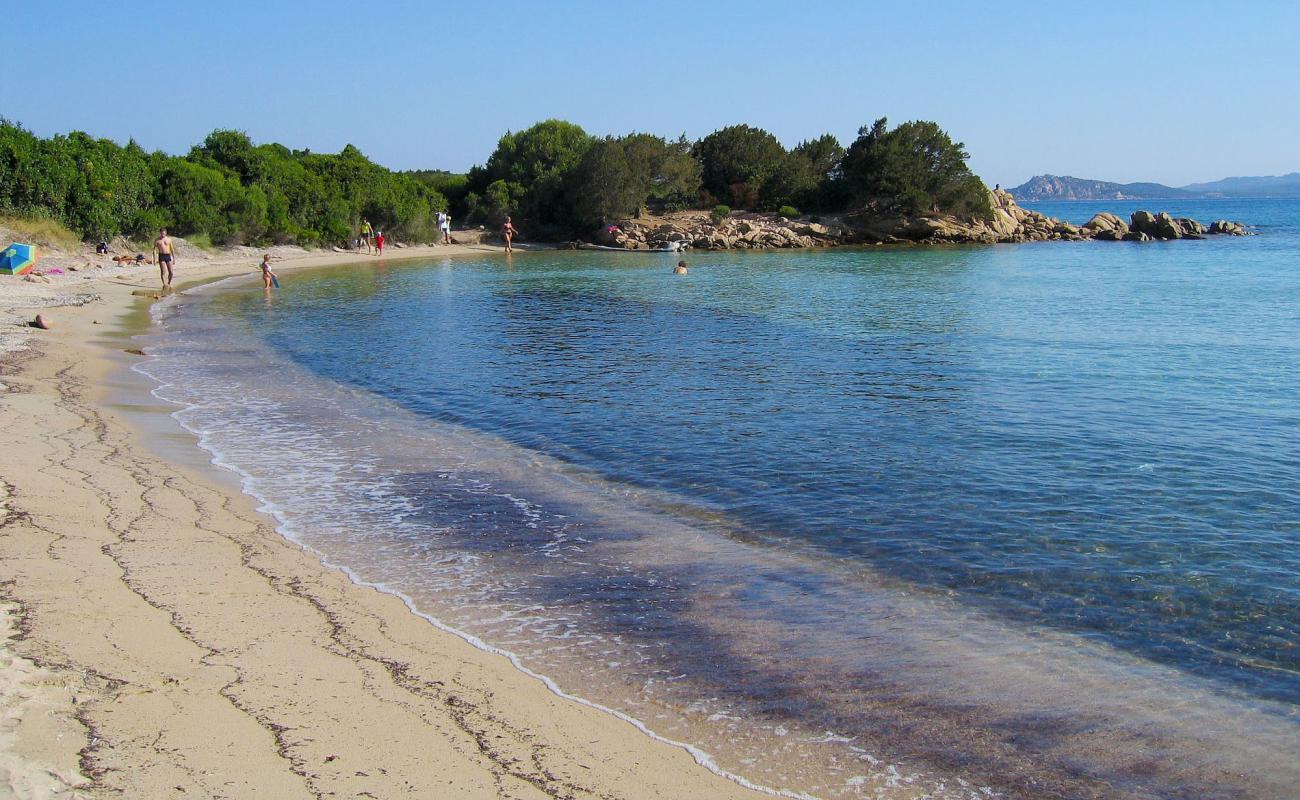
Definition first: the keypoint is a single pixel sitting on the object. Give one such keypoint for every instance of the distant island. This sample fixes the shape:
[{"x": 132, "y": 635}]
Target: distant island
[{"x": 1064, "y": 187}]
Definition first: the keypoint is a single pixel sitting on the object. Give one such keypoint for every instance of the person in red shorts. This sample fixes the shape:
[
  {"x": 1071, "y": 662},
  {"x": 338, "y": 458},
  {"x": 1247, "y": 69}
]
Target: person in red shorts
[{"x": 379, "y": 243}]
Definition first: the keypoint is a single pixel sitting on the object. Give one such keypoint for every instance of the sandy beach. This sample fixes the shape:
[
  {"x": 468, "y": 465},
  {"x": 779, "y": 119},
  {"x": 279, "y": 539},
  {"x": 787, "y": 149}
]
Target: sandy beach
[{"x": 161, "y": 640}]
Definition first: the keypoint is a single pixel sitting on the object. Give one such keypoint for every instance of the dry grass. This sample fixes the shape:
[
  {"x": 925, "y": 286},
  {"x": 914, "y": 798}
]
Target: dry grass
[{"x": 43, "y": 232}]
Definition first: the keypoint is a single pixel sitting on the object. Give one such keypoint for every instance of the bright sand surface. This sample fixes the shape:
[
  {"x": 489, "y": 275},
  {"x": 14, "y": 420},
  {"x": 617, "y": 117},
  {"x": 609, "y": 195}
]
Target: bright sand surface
[{"x": 158, "y": 639}]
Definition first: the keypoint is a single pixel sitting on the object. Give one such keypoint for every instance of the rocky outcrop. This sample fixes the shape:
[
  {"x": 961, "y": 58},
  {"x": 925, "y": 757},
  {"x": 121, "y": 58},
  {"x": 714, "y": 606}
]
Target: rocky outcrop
[
  {"x": 1165, "y": 226},
  {"x": 1106, "y": 221},
  {"x": 1008, "y": 223},
  {"x": 736, "y": 232},
  {"x": 1106, "y": 227},
  {"x": 1065, "y": 187},
  {"x": 1226, "y": 228}
]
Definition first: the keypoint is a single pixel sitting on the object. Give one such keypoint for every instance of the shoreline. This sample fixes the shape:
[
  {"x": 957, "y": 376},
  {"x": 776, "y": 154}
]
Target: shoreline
[
  {"x": 171, "y": 643},
  {"x": 78, "y": 389}
]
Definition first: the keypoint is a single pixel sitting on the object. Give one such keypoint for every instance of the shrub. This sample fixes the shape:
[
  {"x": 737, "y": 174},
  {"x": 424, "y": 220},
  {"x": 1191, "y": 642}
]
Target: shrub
[
  {"x": 41, "y": 231},
  {"x": 720, "y": 212},
  {"x": 202, "y": 241},
  {"x": 788, "y": 211}
]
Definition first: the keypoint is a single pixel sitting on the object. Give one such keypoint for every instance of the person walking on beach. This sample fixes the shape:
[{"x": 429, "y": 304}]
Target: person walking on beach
[
  {"x": 508, "y": 232},
  {"x": 366, "y": 233},
  {"x": 164, "y": 252},
  {"x": 379, "y": 243},
  {"x": 269, "y": 278},
  {"x": 444, "y": 227}
]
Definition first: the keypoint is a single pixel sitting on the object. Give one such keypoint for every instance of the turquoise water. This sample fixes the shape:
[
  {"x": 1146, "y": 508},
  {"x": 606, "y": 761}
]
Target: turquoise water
[{"x": 983, "y": 514}]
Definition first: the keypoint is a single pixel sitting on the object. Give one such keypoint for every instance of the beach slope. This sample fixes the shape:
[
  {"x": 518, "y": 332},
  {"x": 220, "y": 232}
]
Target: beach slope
[{"x": 163, "y": 641}]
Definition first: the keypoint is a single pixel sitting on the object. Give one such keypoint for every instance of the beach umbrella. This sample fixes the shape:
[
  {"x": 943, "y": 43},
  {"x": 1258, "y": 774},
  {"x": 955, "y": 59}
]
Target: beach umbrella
[{"x": 18, "y": 258}]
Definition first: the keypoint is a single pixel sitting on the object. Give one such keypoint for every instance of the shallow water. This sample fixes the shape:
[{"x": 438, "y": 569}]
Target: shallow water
[{"x": 919, "y": 522}]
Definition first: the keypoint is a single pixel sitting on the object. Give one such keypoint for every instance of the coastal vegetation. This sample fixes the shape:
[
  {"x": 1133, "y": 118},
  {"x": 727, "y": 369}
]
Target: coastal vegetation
[
  {"x": 553, "y": 176},
  {"x": 227, "y": 189}
]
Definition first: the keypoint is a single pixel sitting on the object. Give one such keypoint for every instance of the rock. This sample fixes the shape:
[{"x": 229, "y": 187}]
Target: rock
[
  {"x": 1106, "y": 221},
  {"x": 1190, "y": 227},
  {"x": 813, "y": 229},
  {"x": 1227, "y": 228},
  {"x": 34, "y": 278},
  {"x": 41, "y": 322},
  {"x": 1143, "y": 222},
  {"x": 1110, "y": 235},
  {"x": 1166, "y": 228},
  {"x": 1136, "y": 236}
]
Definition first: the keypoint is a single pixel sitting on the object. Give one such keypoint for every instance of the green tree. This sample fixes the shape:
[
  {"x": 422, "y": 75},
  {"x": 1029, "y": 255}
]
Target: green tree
[
  {"x": 675, "y": 178},
  {"x": 806, "y": 175},
  {"x": 737, "y": 162},
  {"x": 915, "y": 168},
  {"x": 532, "y": 165},
  {"x": 617, "y": 177}
]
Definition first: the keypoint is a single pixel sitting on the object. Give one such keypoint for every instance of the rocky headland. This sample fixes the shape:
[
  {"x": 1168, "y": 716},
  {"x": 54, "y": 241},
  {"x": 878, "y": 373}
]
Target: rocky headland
[
  {"x": 1065, "y": 187},
  {"x": 1009, "y": 223}
]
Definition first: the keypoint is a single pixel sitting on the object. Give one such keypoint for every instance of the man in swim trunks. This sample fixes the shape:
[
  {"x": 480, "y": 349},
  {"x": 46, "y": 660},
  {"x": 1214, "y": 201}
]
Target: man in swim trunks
[{"x": 164, "y": 252}]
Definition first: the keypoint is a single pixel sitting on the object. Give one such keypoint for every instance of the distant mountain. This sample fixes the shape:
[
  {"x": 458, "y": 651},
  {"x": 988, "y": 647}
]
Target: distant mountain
[
  {"x": 1064, "y": 187},
  {"x": 1270, "y": 186}
]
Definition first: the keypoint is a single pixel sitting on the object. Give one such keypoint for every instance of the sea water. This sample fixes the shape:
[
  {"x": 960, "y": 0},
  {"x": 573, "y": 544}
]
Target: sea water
[{"x": 1014, "y": 520}]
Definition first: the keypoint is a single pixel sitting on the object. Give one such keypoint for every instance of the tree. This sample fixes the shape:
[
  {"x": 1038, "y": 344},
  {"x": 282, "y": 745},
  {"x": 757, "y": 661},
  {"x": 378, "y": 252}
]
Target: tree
[
  {"x": 676, "y": 174},
  {"x": 232, "y": 151},
  {"x": 737, "y": 162},
  {"x": 806, "y": 176},
  {"x": 616, "y": 177},
  {"x": 532, "y": 165},
  {"x": 914, "y": 168}
]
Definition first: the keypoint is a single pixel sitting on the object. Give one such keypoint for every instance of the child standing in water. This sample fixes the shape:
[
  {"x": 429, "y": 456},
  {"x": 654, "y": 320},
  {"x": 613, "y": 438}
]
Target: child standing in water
[{"x": 269, "y": 278}]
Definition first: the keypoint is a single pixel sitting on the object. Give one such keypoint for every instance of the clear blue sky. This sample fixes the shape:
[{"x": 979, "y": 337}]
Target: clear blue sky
[{"x": 1173, "y": 92}]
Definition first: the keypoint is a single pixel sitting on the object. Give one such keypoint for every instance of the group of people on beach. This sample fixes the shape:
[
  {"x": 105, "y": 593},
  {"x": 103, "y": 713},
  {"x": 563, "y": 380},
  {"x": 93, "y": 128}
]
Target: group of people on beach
[
  {"x": 164, "y": 249},
  {"x": 373, "y": 240},
  {"x": 370, "y": 238}
]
